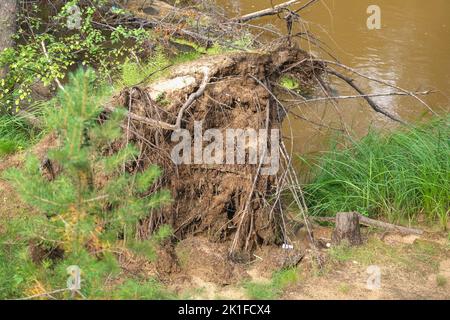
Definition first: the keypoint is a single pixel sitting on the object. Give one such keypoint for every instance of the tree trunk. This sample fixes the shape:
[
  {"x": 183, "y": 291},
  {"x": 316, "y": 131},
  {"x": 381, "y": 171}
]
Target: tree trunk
[
  {"x": 347, "y": 229},
  {"x": 8, "y": 9}
]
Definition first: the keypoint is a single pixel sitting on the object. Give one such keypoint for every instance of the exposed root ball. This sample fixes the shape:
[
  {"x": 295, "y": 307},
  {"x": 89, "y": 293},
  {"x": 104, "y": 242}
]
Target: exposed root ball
[{"x": 232, "y": 91}]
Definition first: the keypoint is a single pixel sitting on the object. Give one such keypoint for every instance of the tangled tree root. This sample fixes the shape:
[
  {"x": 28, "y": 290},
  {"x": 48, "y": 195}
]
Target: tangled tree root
[{"x": 222, "y": 201}]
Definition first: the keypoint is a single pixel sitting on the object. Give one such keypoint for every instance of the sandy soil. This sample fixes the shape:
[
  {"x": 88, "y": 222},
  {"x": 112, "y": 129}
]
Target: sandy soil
[{"x": 411, "y": 268}]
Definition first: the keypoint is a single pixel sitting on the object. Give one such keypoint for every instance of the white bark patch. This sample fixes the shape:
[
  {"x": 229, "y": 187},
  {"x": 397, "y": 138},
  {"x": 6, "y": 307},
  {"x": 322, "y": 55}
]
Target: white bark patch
[{"x": 170, "y": 85}]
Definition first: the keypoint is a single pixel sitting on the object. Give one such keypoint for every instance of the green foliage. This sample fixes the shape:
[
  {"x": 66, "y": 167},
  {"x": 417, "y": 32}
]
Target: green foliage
[
  {"x": 399, "y": 175},
  {"x": 16, "y": 269},
  {"x": 285, "y": 278},
  {"x": 244, "y": 43},
  {"x": 441, "y": 280},
  {"x": 15, "y": 134},
  {"x": 65, "y": 48},
  {"x": 148, "y": 290},
  {"x": 147, "y": 248},
  {"x": 289, "y": 83},
  {"x": 78, "y": 214},
  {"x": 272, "y": 290},
  {"x": 261, "y": 291},
  {"x": 134, "y": 73}
]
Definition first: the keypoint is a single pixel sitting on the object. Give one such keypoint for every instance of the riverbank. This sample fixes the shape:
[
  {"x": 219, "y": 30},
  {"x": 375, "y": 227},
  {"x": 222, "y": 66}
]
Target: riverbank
[
  {"x": 400, "y": 175},
  {"x": 89, "y": 185},
  {"x": 413, "y": 267}
]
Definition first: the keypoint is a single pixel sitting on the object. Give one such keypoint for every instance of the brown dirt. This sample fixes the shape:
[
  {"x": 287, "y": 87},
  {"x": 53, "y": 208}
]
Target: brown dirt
[
  {"x": 407, "y": 272},
  {"x": 208, "y": 261}
]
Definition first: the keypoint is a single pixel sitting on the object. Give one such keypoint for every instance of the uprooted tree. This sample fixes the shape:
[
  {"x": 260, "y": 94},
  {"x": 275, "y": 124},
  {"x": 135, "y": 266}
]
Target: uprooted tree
[
  {"x": 236, "y": 89},
  {"x": 225, "y": 202}
]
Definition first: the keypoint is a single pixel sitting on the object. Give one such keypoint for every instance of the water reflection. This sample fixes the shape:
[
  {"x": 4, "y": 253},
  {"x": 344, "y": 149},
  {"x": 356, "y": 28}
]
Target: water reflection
[{"x": 411, "y": 50}]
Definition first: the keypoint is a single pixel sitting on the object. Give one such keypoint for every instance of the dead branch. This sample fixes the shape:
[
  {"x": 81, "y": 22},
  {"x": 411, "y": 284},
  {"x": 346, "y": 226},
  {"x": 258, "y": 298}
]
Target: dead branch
[
  {"x": 343, "y": 66},
  {"x": 388, "y": 226},
  {"x": 371, "y": 95},
  {"x": 369, "y": 100},
  {"x": 44, "y": 50},
  {"x": 164, "y": 125},
  {"x": 266, "y": 12},
  {"x": 377, "y": 224},
  {"x": 144, "y": 120},
  {"x": 192, "y": 98}
]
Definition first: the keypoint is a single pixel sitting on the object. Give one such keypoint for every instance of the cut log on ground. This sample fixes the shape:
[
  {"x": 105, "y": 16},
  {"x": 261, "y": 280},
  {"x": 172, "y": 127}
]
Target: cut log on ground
[
  {"x": 347, "y": 229},
  {"x": 388, "y": 226},
  {"x": 363, "y": 220}
]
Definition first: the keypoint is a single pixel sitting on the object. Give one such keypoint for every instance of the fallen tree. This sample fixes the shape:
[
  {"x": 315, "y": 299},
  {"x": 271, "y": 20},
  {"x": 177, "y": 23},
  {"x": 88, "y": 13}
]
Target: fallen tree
[
  {"x": 223, "y": 201},
  {"x": 238, "y": 90}
]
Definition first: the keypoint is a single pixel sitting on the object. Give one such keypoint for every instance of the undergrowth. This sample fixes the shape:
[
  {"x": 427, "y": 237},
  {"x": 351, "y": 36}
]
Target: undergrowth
[
  {"x": 273, "y": 289},
  {"x": 15, "y": 134},
  {"x": 141, "y": 72},
  {"x": 421, "y": 256},
  {"x": 399, "y": 175},
  {"x": 79, "y": 220}
]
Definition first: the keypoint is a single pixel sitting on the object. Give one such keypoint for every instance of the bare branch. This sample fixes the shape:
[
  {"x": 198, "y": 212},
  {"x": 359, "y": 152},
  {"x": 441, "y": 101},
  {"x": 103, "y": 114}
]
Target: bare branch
[{"x": 266, "y": 12}]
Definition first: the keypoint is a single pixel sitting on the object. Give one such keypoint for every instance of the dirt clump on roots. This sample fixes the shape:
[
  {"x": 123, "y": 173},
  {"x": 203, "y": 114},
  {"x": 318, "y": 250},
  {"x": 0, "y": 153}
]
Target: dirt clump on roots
[{"x": 223, "y": 202}]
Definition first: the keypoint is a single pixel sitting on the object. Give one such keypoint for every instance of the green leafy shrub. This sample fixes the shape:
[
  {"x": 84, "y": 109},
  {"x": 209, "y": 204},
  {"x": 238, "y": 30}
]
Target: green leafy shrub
[
  {"x": 272, "y": 290},
  {"x": 146, "y": 290},
  {"x": 47, "y": 49},
  {"x": 133, "y": 73}
]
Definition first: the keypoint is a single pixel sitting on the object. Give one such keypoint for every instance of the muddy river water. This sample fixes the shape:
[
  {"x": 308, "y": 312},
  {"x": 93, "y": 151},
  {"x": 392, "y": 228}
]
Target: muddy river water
[{"x": 411, "y": 50}]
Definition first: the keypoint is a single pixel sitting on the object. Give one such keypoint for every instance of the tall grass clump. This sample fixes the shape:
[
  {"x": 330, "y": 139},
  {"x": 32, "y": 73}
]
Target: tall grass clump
[
  {"x": 399, "y": 175},
  {"x": 15, "y": 134}
]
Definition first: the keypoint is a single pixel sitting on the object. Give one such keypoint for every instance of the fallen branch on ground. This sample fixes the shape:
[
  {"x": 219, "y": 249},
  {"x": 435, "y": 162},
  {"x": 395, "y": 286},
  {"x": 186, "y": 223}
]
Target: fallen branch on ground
[
  {"x": 388, "y": 226},
  {"x": 377, "y": 224}
]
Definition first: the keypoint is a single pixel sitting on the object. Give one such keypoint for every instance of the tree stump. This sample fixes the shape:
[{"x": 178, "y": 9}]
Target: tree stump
[{"x": 347, "y": 228}]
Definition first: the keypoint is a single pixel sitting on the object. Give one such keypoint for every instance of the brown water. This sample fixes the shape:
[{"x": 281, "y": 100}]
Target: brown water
[{"x": 411, "y": 50}]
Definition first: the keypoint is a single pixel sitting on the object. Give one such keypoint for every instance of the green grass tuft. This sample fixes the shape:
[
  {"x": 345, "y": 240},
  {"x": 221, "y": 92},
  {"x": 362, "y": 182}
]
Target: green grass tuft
[
  {"x": 15, "y": 134},
  {"x": 398, "y": 175},
  {"x": 441, "y": 280},
  {"x": 273, "y": 289}
]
